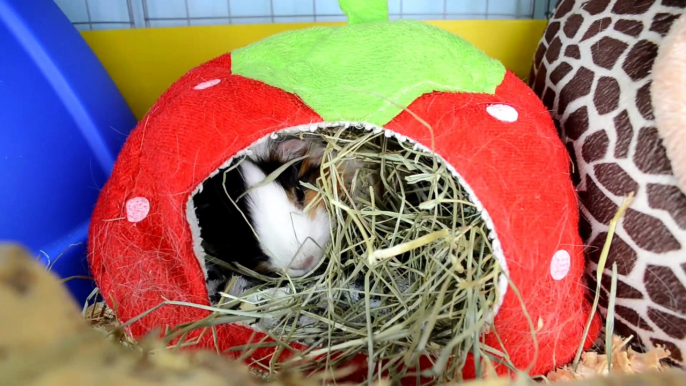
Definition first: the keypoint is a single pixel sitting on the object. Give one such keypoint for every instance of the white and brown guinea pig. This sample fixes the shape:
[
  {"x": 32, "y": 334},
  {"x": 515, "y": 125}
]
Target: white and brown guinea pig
[{"x": 278, "y": 235}]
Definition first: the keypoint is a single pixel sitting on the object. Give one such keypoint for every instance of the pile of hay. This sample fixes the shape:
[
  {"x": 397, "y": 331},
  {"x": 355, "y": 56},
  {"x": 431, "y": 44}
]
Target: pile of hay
[
  {"x": 623, "y": 359},
  {"x": 410, "y": 270},
  {"x": 593, "y": 364}
]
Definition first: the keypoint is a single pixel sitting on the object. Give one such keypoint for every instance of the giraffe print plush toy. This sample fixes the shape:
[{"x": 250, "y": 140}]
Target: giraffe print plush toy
[{"x": 596, "y": 70}]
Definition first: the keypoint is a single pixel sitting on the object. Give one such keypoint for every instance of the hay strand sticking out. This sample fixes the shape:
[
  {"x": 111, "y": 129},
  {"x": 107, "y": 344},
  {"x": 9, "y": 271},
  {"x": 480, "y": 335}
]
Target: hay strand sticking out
[{"x": 410, "y": 270}]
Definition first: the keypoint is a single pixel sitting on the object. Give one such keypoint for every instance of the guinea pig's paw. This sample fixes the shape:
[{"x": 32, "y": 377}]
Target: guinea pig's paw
[
  {"x": 239, "y": 287},
  {"x": 271, "y": 294},
  {"x": 305, "y": 321}
]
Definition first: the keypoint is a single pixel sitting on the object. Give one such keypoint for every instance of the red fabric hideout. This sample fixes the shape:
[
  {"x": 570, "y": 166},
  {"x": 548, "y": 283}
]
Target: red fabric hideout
[{"x": 141, "y": 252}]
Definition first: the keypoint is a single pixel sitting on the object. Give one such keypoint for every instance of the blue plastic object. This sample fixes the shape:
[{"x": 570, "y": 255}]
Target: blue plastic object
[{"x": 62, "y": 124}]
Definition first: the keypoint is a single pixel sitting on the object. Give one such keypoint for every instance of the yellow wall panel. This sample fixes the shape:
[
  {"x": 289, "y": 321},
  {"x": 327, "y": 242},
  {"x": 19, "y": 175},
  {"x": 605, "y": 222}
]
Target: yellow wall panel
[{"x": 144, "y": 62}]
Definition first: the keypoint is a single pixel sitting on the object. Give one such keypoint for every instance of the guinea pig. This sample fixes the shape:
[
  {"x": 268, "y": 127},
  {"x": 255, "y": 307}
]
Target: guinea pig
[{"x": 264, "y": 227}]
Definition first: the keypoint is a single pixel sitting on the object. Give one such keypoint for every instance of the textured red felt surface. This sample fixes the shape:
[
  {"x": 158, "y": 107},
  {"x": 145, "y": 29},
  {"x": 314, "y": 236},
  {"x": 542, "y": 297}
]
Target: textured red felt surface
[{"x": 519, "y": 171}]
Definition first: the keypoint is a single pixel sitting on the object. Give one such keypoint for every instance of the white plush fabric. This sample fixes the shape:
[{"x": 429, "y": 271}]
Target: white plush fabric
[{"x": 669, "y": 97}]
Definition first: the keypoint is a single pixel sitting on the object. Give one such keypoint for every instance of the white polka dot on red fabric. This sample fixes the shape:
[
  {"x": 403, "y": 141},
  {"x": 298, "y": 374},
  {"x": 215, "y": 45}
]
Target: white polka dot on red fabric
[
  {"x": 503, "y": 113},
  {"x": 560, "y": 264},
  {"x": 207, "y": 84},
  {"x": 137, "y": 209}
]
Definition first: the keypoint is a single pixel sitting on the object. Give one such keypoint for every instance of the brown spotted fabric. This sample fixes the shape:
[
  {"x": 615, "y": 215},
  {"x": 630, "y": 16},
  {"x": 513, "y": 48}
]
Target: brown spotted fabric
[{"x": 593, "y": 71}]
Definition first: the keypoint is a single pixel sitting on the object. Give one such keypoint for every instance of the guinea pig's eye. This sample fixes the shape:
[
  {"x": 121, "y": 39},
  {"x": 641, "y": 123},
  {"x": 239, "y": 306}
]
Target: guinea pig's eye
[{"x": 300, "y": 194}]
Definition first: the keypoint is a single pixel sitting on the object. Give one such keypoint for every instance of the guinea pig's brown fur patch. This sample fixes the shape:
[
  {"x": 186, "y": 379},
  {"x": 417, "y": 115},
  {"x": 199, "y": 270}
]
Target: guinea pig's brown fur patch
[{"x": 309, "y": 172}]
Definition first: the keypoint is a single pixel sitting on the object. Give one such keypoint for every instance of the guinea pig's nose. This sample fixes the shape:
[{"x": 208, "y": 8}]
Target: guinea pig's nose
[{"x": 305, "y": 265}]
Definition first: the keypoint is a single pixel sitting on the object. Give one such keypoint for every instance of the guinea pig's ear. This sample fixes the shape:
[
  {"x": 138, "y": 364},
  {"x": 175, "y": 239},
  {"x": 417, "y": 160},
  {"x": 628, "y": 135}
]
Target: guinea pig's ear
[
  {"x": 290, "y": 148},
  {"x": 348, "y": 167},
  {"x": 316, "y": 152}
]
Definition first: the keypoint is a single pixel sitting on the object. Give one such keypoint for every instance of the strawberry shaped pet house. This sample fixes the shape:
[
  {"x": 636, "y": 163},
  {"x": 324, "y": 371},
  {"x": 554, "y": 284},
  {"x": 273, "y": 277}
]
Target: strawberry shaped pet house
[{"x": 487, "y": 125}]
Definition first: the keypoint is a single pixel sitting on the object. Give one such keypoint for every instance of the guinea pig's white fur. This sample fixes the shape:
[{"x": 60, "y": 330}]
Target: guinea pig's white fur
[{"x": 294, "y": 240}]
